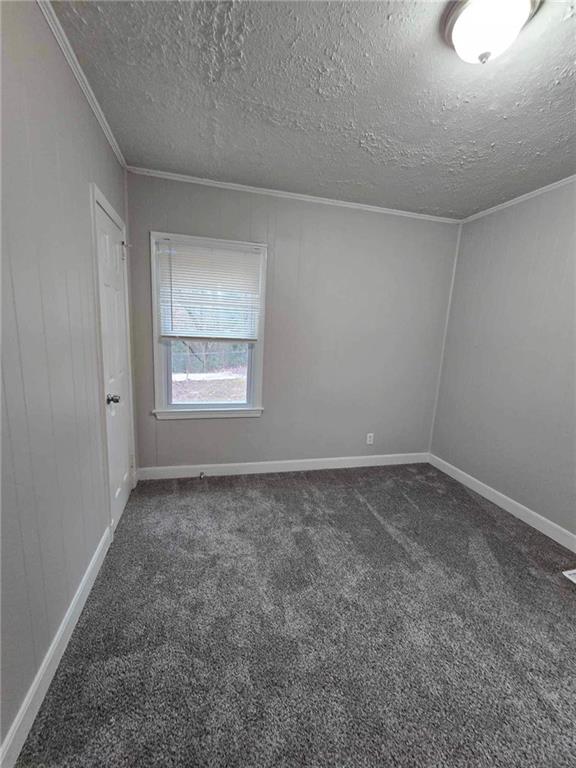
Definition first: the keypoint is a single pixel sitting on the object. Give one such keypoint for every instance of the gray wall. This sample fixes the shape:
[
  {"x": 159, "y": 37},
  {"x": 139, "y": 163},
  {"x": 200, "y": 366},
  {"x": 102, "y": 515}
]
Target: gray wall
[
  {"x": 54, "y": 496},
  {"x": 506, "y": 412},
  {"x": 355, "y": 311}
]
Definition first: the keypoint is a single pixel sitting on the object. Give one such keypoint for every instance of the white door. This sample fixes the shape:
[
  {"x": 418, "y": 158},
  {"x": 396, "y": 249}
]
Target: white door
[{"x": 115, "y": 353}]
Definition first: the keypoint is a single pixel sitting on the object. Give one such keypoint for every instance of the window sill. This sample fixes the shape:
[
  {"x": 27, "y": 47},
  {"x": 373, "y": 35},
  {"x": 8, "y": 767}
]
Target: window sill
[{"x": 212, "y": 413}]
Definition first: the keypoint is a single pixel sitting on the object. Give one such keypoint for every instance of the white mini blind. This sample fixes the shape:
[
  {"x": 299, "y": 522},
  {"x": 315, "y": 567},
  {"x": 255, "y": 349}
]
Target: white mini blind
[{"x": 209, "y": 291}]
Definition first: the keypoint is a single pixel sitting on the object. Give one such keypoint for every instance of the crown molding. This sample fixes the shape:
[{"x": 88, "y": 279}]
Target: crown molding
[
  {"x": 289, "y": 195},
  {"x": 521, "y": 199},
  {"x": 62, "y": 40}
]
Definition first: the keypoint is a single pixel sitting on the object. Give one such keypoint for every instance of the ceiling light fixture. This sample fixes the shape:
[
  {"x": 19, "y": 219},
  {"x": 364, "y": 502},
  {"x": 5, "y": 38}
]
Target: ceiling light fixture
[{"x": 480, "y": 30}]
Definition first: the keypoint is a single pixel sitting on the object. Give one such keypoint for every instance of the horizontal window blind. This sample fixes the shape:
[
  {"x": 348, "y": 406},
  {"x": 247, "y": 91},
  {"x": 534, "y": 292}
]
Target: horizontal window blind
[{"x": 208, "y": 292}]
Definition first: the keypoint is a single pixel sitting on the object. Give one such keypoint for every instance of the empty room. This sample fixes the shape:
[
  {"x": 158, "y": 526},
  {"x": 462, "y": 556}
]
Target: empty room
[{"x": 289, "y": 384}]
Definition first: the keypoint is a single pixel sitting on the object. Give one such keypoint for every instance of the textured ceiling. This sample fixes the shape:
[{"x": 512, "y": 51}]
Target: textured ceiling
[{"x": 358, "y": 101}]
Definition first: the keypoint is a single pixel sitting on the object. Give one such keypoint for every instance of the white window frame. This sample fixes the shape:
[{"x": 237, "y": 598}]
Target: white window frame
[{"x": 162, "y": 408}]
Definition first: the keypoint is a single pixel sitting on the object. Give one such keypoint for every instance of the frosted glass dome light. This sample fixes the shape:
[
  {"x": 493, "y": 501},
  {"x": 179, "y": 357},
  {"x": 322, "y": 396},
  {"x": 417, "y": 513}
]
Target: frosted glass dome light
[{"x": 480, "y": 30}]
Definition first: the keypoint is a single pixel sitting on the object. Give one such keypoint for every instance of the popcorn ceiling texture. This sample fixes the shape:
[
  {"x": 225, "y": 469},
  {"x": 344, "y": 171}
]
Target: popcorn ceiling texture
[{"x": 359, "y": 101}]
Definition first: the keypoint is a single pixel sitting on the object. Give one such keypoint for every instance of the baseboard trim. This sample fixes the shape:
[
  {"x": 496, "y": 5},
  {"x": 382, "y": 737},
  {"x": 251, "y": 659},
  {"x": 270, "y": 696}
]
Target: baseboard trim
[
  {"x": 527, "y": 515},
  {"x": 24, "y": 719},
  {"x": 289, "y": 465}
]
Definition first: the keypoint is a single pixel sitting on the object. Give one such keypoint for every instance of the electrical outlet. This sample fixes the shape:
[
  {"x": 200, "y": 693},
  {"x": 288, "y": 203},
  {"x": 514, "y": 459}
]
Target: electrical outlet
[{"x": 370, "y": 438}]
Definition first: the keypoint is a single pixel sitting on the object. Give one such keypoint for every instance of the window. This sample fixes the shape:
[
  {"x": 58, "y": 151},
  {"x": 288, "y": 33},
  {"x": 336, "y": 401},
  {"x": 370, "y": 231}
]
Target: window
[{"x": 208, "y": 305}]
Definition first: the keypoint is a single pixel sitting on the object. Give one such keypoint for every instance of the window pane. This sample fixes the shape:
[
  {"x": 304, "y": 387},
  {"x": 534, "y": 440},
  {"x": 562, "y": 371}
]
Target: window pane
[{"x": 208, "y": 372}]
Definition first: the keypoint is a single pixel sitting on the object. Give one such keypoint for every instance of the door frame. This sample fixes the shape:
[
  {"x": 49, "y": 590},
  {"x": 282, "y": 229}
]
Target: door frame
[{"x": 98, "y": 200}]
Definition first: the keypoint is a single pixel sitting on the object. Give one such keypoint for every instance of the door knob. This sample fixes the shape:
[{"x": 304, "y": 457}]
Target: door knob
[{"x": 112, "y": 399}]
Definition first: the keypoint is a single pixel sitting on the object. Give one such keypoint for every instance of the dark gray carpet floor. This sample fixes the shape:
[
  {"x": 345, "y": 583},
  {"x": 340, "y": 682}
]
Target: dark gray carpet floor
[{"x": 350, "y": 619}]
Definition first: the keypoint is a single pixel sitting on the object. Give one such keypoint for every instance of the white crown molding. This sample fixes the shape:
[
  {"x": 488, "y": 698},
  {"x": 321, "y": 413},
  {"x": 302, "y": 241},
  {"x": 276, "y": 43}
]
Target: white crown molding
[
  {"x": 289, "y": 195},
  {"x": 170, "y": 176},
  {"x": 62, "y": 40},
  {"x": 521, "y": 199}
]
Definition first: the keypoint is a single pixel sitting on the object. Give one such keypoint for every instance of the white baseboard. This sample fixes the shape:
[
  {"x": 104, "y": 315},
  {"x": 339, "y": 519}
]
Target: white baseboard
[
  {"x": 289, "y": 465},
  {"x": 22, "y": 723},
  {"x": 542, "y": 524}
]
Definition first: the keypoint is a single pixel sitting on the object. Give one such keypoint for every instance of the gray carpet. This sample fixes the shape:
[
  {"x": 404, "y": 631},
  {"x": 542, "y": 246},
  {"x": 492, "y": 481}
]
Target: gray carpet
[{"x": 351, "y": 618}]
